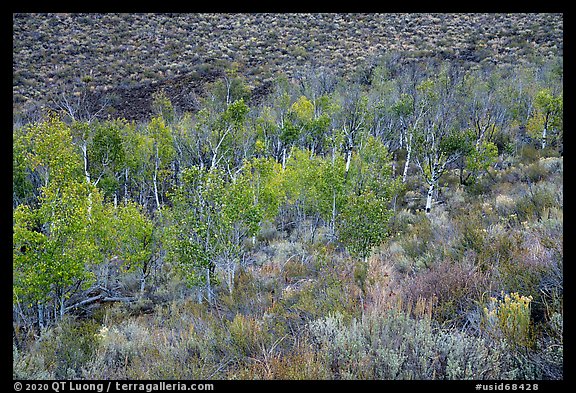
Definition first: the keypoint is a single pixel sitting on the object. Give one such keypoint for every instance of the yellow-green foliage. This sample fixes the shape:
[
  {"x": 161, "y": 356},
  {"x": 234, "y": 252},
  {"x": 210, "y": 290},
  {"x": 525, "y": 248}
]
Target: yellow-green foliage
[
  {"x": 303, "y": 108},
  {"x": 509, "y": 317},
  {"x": 247, "y": 335}
]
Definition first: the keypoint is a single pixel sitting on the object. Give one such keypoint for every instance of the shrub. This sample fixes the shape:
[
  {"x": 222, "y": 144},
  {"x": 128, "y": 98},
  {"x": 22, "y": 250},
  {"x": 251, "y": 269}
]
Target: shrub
[
  {"x": 535, "y": 172},
  {"x": 28, "y": 365},
  {"x": 538, "y": 199},
  {"x": 418, "y": 237},
  {"x": 61, "y": 353},
  {"x": 451, "y": 287},
  {"x": 380, "y": 281},
  {"x": 472, "y": 233},
  {"x": 247, "y": 335},
  {"x": 504, "y": 205},
  {"x": 300, "y": 363},
  {"x": 500, "y": 247},
  {"x": 395, "y": 346},
  {"x": 294, "y": 269},
  {"x": 313, "y": 299},
  {"x": 174, "y": 344},
  {"x": 529, "y": 154},
  {"x": 509, "y": 317}
]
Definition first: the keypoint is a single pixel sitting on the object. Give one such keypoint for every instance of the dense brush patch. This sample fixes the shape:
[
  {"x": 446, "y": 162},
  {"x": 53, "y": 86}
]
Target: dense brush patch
[{"x": 405, "y": 223}]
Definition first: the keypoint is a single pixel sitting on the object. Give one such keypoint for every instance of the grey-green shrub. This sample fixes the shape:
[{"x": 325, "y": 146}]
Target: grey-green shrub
[{"x": 393, "y": 345}]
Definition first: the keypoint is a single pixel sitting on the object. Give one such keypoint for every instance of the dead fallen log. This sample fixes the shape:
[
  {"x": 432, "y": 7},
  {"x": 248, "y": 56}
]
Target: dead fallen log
[{"x": 102, "y": 298}]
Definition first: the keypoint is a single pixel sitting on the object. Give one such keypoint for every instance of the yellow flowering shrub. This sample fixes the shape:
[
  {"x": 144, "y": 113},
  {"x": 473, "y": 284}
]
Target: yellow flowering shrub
[{"x": 509, "y": 317}]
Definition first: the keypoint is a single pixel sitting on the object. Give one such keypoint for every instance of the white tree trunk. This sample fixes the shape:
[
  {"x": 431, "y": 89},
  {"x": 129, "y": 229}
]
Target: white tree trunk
[
  {"x": 407, "y": 163},
  {"x": 228, "y": 88},
  {"x": 85, "y": 157},
  {"x": 348, "y": 158},
  {"x": 429, "y": 197},
  {"x": 87, "y": 174},
  {"x": 208, "y": 287},
  {"x": 156, "y": 191},
  {"x": 126, "y": 186},
  {"x": 231, "y": 272},
  {"x": 155, "y": 179},
  {"x": 544, "y": 132},
  {"x": 142, "y": 284}
]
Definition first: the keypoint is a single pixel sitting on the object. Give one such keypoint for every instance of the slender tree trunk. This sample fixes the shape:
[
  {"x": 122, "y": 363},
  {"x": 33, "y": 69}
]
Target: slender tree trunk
[
  {"x": 348, "y": 159},
  {"x": 62, "y": 308},
  {"x": 126, "y": 185},
  {"x": 208, "y": 286},
  {"x": 213, "y": 163},
  {"x": 333, "y": 222},
  {"x": 228, "y": 86},
  {"x": 435, "y": 176},
  {"x": 231, "y": 273},
  {"x": 156, "y": 179},
  {"x": 407, "y": 163},
  {"x": 85, "y": 157},
  {"x": 87, "y": 174},
  {"x": 313, "y": 227},
  {"x": 142, "y": 283},
  {"x": 41, "y": 316},
  {"x": 544, "y": 132},
  {"x": 429, "y": 196}
]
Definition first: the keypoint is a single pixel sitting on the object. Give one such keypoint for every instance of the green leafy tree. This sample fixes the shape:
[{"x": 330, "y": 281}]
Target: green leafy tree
[
  {"x": 264, "y": 179},
  {"x": 240, "y": 218},
  {"x": 195, "y": 226},
  {"x": 25, "y": 181},
  {"x": 546, "y": 118},
  {"x": 441, "y": 140},
  {"x": 162, "y": 106},
  {"x": 134, "y": 162},
  {"x": 213, "y": 214},
  {"x": 352, "y": 120},
  {"x": 229, "y": 140},
  {"x": 107, "y": 156},
  {"x": 232, "y": 87},
  {"x": 55, "y": 242},
  {"x": 302, "y": 191},
  {"x": 136, "y": 238},
  {"x": 276, "y": 114},
  {"x": 330, "y": 184},
  {"x": 50, "y": 152},
  {"x": 478, "y": 158},
  {"x": 137, "y": 172},
  {"x": 164, "y": 153},
  {"x": 363, "y": 222}
]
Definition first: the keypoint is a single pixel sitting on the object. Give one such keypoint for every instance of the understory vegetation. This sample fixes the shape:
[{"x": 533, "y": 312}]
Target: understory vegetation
[{"x": 403, "y": 225}]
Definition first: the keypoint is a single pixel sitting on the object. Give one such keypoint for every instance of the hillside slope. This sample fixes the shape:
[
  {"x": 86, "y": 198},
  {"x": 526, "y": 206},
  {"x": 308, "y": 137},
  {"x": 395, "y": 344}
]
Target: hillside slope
[{"x": 126, "y": 56}]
